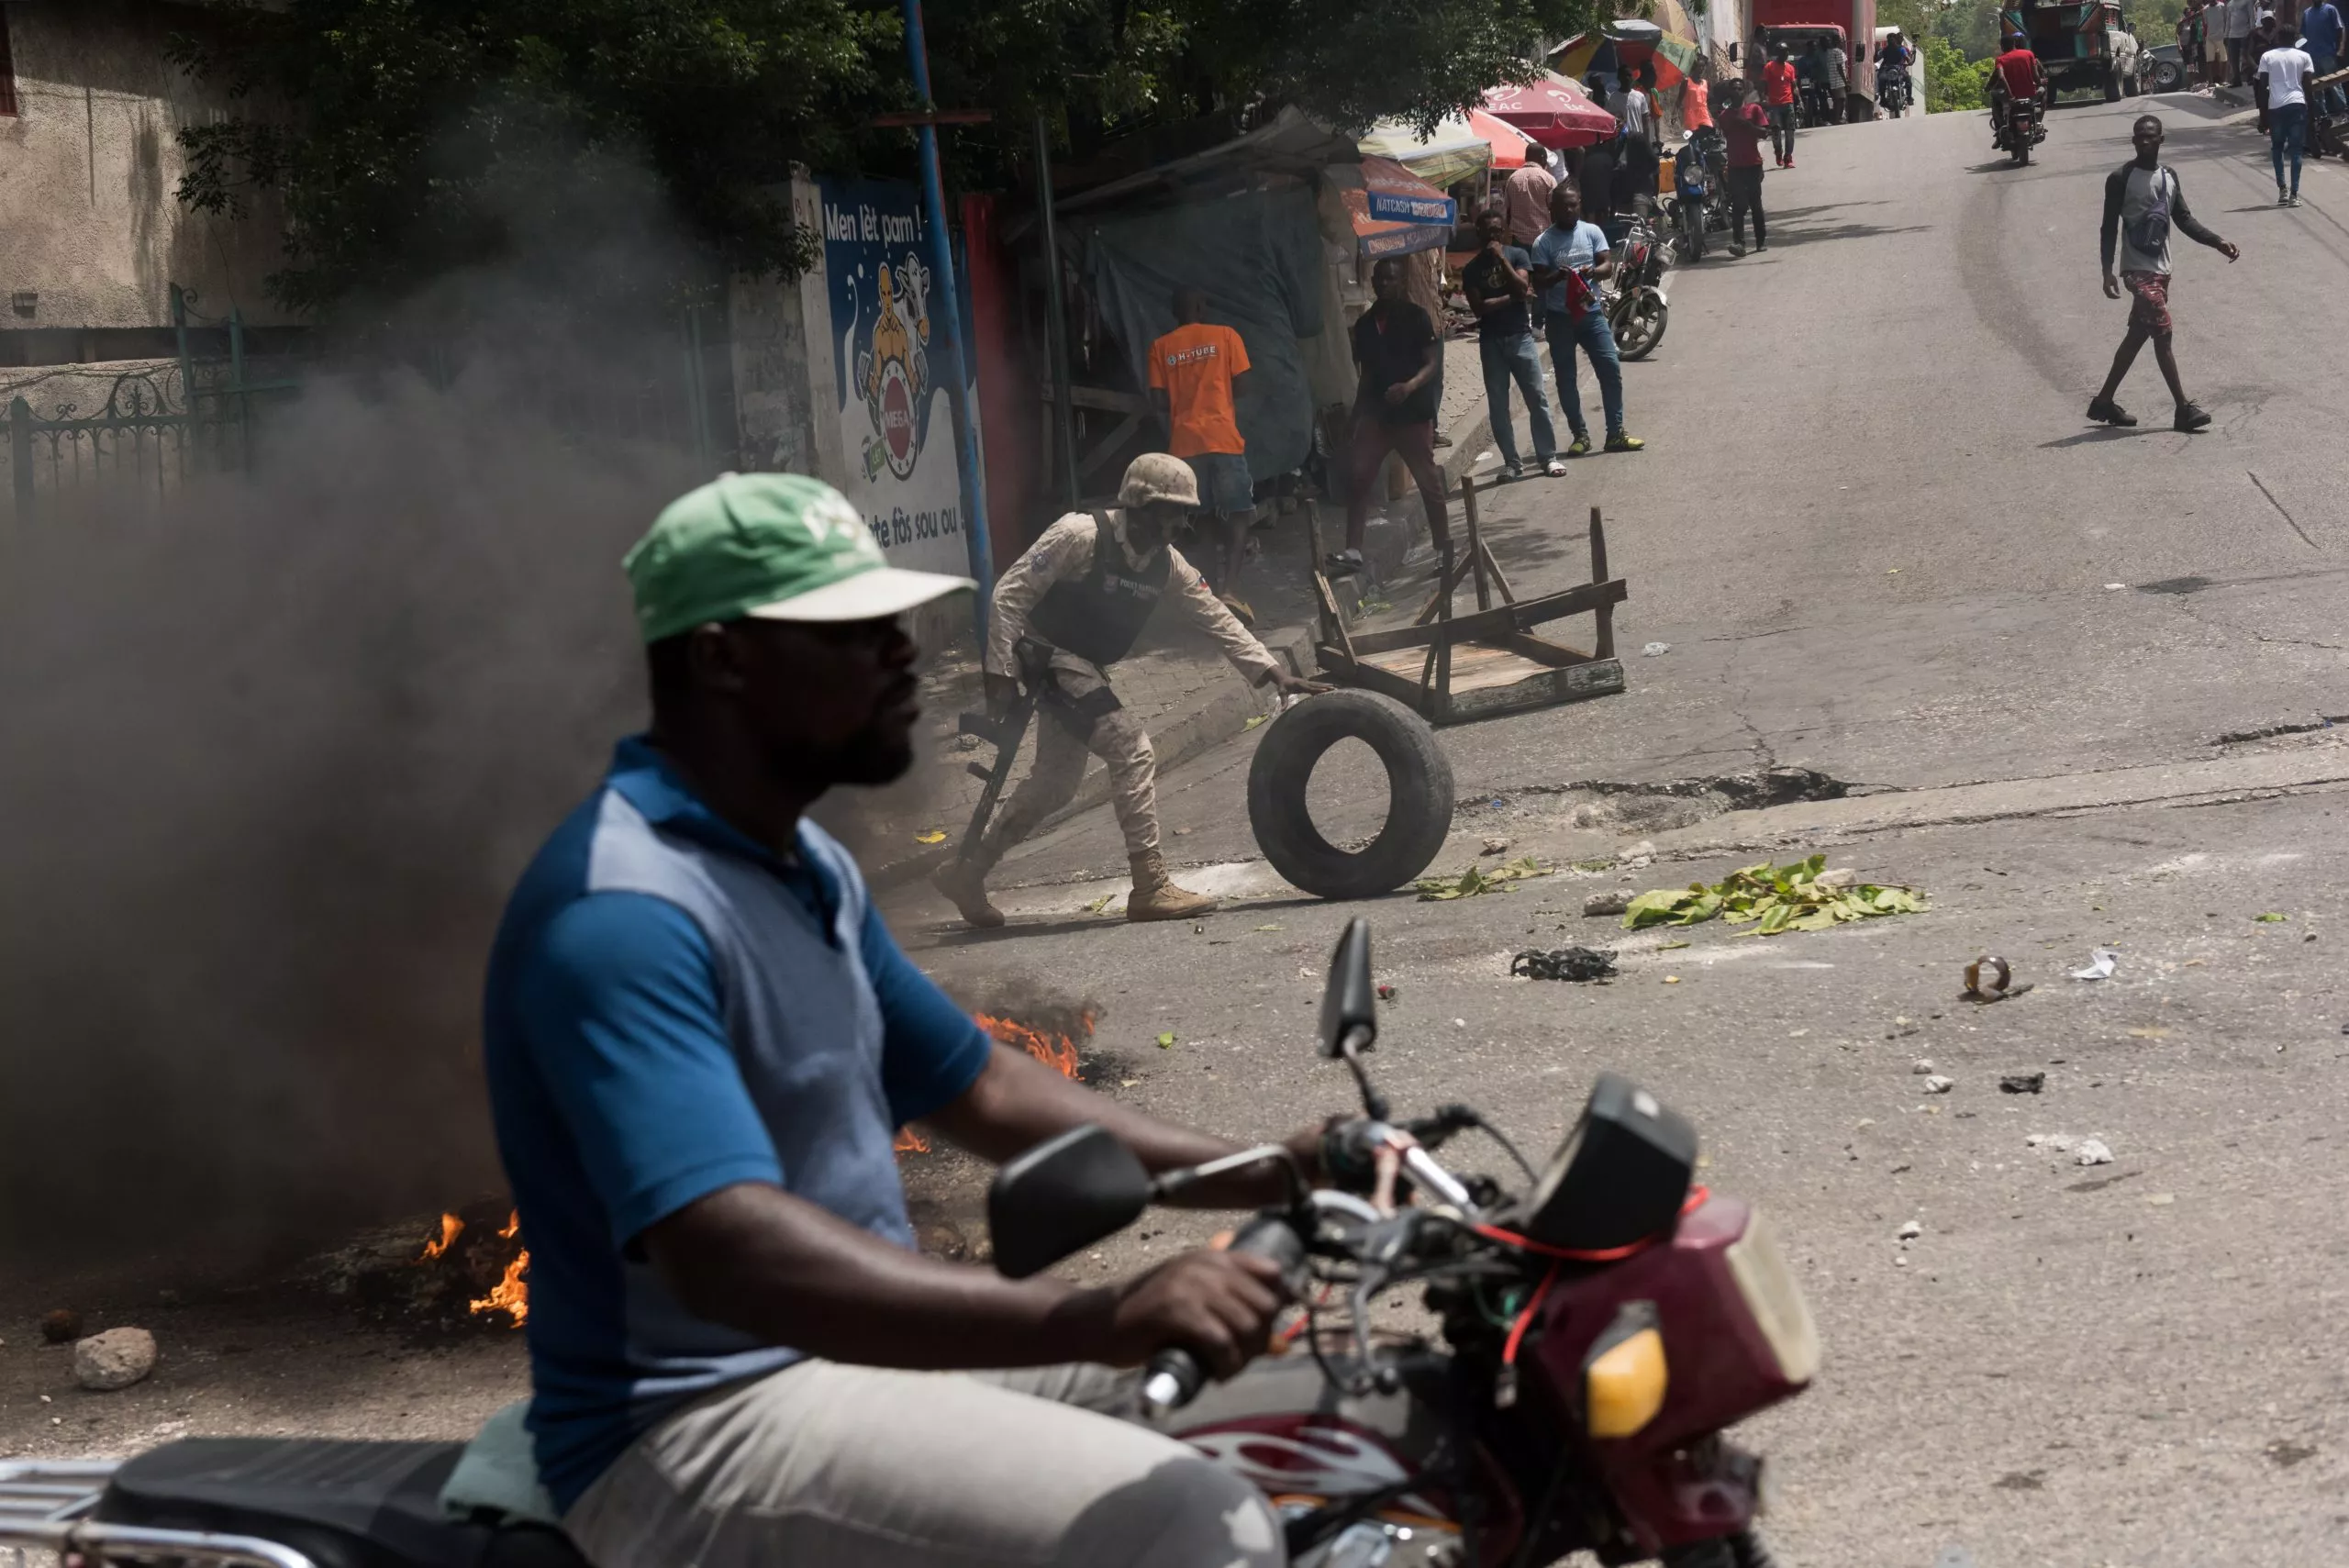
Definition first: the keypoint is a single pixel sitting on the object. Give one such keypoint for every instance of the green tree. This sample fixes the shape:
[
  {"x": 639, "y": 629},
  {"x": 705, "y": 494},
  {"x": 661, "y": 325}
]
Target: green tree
[
  {"x": 408, "y": 138},
  {"x": 1952, "y": 80}
]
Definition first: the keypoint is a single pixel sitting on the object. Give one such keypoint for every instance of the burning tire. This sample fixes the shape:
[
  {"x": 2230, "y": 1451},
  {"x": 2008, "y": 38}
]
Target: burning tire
[{"x": 1418, "y": 795}]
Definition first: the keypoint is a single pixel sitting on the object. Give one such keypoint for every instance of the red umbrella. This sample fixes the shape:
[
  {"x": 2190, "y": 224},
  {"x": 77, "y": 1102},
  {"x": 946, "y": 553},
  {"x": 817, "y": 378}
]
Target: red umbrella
[
  {"x": 1553, "y": 111},
  {"x": 1508, "y": 142}
]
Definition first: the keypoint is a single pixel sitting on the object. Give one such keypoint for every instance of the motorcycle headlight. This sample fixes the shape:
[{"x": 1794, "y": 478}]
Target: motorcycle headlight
[{"x": 1775, "y": 1300}]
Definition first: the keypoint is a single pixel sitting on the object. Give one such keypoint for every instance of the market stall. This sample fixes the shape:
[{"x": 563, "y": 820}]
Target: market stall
[{"x": 1552, "y": 111}]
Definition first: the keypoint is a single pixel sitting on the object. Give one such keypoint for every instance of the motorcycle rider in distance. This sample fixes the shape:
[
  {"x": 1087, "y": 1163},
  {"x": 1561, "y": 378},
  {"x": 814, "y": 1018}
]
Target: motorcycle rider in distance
[
  {"x": 1893, "y": 58},
  {"x": 2017, "y": 73}
]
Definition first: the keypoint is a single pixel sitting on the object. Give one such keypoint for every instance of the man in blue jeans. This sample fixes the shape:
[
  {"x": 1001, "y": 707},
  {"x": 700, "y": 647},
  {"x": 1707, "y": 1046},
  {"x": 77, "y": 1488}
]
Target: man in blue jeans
[
  {"x": 1500, "y": 292},
  {"x": 1568, "y": 254}
]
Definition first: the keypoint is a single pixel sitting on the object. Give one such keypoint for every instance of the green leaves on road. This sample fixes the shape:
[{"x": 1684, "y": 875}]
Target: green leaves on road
[
  {"x": 1803, "y": 896},
  {"x": 1477, "y": 879},
  {"x": 2271, "y": 918}
]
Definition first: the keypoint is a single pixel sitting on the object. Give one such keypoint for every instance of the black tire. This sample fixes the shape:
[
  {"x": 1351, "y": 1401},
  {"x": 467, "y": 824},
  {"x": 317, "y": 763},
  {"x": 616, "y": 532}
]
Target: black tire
[
  {"x": 1418, "y": 795},
  {"x": 1645, "y": 320}
]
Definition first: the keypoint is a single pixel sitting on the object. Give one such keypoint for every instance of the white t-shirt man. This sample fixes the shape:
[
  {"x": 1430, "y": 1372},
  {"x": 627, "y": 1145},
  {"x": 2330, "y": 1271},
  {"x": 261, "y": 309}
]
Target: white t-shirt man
[{"x": 2288, "y": 71}]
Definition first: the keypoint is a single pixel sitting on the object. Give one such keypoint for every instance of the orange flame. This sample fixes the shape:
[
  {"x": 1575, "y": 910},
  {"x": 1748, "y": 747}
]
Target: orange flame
[
  {"x": 911, "y": 1142},
  {"x": 513, "y": 1226},
  {"x": 451, "y": 1228},
  {"x": 511, "y": 1296},
  {"x": 1053, "y": 1051}
]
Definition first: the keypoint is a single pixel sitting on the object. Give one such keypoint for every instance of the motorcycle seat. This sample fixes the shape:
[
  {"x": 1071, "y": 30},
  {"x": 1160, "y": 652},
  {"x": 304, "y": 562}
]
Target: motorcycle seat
[{"x": 343, "y": 1504}]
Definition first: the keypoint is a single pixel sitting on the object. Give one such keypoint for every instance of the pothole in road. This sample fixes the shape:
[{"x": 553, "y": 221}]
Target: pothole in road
[
  {"x": 2176, "y": 585},
  {"x": 1608, "y": 806},
  {"x": 2280, "y": 729}
]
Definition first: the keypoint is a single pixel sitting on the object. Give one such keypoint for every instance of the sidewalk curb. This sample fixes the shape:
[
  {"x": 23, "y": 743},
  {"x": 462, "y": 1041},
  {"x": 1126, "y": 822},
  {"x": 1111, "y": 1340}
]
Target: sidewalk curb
[{"x": 1176, "y": 739}]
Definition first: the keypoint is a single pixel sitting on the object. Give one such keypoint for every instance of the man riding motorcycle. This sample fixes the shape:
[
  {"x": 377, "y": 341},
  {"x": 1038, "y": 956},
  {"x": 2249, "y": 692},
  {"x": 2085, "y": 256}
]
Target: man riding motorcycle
[
  {"x": 1892, "y": 60},
  {"x": 2017, "y": 73},
  {"x": 700, "y": 1042}
]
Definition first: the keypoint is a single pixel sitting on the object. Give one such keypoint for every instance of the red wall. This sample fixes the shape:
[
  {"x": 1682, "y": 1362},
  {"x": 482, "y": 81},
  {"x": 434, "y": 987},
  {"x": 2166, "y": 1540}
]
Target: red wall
[{"x": 1010, "y": 411}]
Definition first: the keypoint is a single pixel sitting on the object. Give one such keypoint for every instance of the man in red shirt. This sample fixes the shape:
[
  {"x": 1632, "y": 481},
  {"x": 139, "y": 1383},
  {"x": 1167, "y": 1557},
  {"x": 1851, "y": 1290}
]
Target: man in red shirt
[
  {"x": 1743, "y": 125},
  {"x": 2016, "y": 74},
  {"x": 1779, "y": 93}
]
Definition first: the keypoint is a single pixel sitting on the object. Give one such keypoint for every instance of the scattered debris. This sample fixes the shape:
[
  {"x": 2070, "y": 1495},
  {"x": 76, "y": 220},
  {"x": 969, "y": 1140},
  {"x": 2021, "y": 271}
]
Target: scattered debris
[
  {"x": 2288, "y": 1454},
  {"x": 2022, "y": 1481},
  {"x": 1614, "y": 901},
  {"x": 2101, "y": 963},
  {"x": 2022, "y": 1083},
  {"x": 2051, "y": 1143},
  {"x": 1386, "y": 990},
  {"x": 1640, "y": 854},
  {"x": 1937, "y": 1084},
  {"x": 1495, "y": 846},
  {"x": 1990, "y": 979},
  {"x": 1576, "y": 964},
  {"x": 1922, "y": 1067},
  {"x": 2271, "y": 918},
  {"x": 1910, "y": 1231},
  {"x": 931, "y": 836},
  {"x": 1671, "y": 979},
  {"x": 2161, "y": 1200},
  {"x": 115, "y": 1359},
  {"x": 1166, "y": 1040},
  {"x": 1803, "y": 896},
  {"x": 63, "y": 1325},
  {"x": 1656, "y": 650},
  {"x": 1477, "y": 879},
  {"x": 1667, "y": 946},
  {"x": 2092, "y": 1152}
]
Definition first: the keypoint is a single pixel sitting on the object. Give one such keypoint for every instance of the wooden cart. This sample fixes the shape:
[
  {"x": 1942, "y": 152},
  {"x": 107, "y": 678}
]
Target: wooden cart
[{"x": 1456, "y": 667}]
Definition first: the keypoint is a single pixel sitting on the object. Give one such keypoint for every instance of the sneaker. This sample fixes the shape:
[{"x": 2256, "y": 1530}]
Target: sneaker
[
  {"x": 2107, "y": 412},
  {"x": 1581, "y": 447},
  {"x": 1787, "y": 165},
  {"x": 2283, "y": 198},
  {"x": 1759, "y": 247},
  {"x": 2292, "y": 200},
  {"x": 1556, "y": 468},
  {"x": 1619, "y": 442},
  {"x": 2190, "y": 418},
  {"x": 1512, "y": 472},
  {"x": 1344, "y": 563},
  {"x": 1737, "y": 246}
]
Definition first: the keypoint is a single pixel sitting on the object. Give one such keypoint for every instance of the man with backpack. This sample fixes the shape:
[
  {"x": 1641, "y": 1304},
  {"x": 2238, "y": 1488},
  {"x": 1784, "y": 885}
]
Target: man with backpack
[{"x": 2143, "y": 200}]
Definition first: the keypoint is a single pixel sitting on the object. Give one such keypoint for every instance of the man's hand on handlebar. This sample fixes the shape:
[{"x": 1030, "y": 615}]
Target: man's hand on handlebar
[{"x": 1218, "y": 1304}]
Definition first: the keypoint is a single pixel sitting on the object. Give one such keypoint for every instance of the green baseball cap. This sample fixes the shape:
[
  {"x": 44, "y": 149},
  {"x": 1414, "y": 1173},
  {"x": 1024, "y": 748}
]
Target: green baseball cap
[{"x": 772, "y": 547}]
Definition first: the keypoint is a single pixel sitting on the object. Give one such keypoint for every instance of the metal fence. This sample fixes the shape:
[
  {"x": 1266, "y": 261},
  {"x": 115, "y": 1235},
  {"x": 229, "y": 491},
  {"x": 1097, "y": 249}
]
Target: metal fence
[{"x": 163, "y": 423}]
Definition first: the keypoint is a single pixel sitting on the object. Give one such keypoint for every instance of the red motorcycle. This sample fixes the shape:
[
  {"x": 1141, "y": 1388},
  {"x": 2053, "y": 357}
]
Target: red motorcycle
[{"x": 1601, "y": 1328}]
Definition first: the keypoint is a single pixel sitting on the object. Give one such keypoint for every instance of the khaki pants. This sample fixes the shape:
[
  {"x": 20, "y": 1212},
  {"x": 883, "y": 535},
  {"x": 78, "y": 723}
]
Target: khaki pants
[
  {"x": 822, "y": 1465},
  {"x": 1079, "y": 714}
]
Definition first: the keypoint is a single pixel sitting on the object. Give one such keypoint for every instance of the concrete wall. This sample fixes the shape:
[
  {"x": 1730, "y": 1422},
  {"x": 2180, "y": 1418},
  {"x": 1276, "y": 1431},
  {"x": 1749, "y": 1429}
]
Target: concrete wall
[{"x": 88, "y": 171}]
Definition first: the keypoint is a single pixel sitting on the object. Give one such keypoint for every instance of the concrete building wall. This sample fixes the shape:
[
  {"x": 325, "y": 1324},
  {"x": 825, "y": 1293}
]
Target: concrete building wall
[{"x": 90, "y": 221}]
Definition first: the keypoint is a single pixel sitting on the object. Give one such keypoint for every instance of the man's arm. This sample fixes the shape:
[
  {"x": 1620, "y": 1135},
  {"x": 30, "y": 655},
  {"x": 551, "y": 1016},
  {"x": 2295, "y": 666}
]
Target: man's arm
[
  {"x": 2115, "y": 186},
  {"x": 2183, "y": 216},
  {"x": 1602, "y": 265},
  {"x": 1197, "y": 604}
]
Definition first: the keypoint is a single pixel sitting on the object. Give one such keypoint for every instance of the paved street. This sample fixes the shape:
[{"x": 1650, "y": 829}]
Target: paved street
[{"x": 1883, "y": 545}]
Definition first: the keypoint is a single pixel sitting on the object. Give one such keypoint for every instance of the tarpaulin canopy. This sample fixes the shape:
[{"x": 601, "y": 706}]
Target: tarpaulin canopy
[
  {"x": 1669, "y": 40},
  {"x": 1393, "y": 210},
  {"x": 1508, "y": 142},
  {"x": 1455, "y": 153},
  {"x": 1552, "y": 111}
]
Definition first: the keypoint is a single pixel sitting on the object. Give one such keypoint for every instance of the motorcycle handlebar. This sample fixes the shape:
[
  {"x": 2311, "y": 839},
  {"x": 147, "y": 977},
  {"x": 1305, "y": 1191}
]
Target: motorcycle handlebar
[{"x": 1175, "y": 1376}]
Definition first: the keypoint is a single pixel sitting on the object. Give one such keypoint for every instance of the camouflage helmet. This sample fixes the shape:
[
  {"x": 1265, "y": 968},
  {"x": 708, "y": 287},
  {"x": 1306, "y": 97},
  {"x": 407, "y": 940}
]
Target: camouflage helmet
[{"x": 1155, "y": 476}]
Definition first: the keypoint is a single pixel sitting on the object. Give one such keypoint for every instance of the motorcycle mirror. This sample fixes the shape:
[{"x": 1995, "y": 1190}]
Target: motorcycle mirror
[
  {"x": 1065, "y": 1194},
  {"x": 1349, "y": 1004}
]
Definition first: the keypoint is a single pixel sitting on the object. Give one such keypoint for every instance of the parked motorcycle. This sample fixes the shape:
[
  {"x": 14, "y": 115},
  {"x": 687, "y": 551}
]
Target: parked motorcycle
[
  {"x": 1637, "y": 310},
  {"x": 1601, "y": 1327}
]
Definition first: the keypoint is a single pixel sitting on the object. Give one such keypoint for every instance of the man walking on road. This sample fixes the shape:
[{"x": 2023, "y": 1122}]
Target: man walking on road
[
  {"x": 2143, "y": 200},
  {"x": 1570, "y": 254},
  {"x": 1069, "y": 608},
  {"x": 1778, "y": 99},
  {"x": 1496, "y": 282},
  {"x": 1399, "y": 360},
  {"x": 2286, "y": 70},
  {"x": 1744, "y": 125},
  {"x": 1195, "y": 373}
]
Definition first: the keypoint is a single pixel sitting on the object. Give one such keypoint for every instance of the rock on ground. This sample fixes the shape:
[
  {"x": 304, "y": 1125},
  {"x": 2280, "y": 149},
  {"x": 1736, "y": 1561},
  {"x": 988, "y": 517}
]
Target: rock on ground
[{"x": 115, "y": 1359}]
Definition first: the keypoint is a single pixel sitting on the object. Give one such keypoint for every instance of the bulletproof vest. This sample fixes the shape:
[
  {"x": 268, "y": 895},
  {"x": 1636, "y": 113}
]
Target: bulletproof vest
[{"x": 1099, "y": 617}]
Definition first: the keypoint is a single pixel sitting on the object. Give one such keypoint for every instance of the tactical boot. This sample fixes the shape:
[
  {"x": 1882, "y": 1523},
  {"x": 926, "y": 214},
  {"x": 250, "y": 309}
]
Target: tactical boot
[
  {"x": 1156, "y": 896},
  {"x": 964, "y": 884}
]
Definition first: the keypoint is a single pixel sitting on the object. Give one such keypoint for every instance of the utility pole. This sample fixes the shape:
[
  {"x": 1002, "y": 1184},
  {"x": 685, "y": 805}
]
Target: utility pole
[{"x": 941, "y": 255}]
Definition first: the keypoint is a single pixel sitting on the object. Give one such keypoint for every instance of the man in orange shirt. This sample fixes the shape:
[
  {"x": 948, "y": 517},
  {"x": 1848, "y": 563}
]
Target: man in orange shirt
[
  {"x": 1195, "y": 375},
  {"x": 1778, "y": 98}
]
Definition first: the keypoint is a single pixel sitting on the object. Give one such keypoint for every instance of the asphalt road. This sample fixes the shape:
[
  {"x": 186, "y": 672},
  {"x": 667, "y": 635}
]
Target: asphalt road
[{"x": 1881, "y": 542}]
